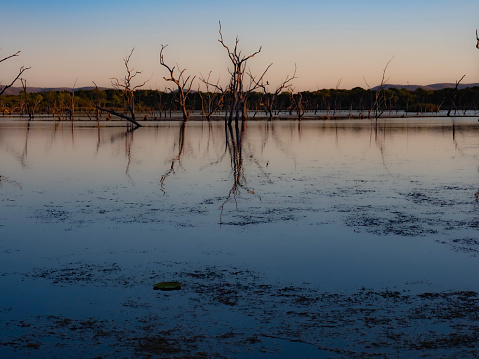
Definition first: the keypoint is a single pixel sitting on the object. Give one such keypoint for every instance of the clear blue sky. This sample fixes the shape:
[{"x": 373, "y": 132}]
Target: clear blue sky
[{"x": 64, "y": 41}]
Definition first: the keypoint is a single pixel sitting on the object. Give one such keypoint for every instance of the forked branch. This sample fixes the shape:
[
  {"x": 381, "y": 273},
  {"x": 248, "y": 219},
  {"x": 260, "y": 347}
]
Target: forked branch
[{"x": 20, "y": 72}]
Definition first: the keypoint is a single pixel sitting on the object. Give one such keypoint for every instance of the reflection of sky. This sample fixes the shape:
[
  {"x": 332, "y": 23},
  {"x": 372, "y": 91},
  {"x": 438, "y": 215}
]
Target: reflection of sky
[
  {"x": 432, "y": 41},
  {"x": 86, "y": 193}
]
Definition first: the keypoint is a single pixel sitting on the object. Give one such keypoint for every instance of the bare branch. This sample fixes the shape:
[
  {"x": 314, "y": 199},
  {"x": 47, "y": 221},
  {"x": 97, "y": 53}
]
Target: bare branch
[
  {"x": 118, "y": 114},
  {"x": 20, "y": 72},
  {"x": 369, "y": 87},
  {"x": 8, "y": 57}
]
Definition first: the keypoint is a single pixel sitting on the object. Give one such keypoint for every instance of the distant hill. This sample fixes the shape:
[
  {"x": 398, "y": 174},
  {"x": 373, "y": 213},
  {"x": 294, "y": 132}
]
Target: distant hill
[
  {"x": 16, "y": 90},
  {"x": 439, "y": 86},
  {"x": 434, "y": 87}
]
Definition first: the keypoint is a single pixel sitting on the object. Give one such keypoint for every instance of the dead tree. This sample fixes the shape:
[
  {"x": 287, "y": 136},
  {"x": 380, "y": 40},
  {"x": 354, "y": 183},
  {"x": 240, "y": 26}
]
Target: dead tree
[
  {"x": 29, "y": 102},
  {"x": 238, "y": 92},
  {"x": 297, "y": 103},
  {"x": 128, "y": 91},
  {"x": 453, "y": 100},
  {"x": 97, "y": 101},
  {"x": 336, "y": 96},
  {"x": 269, "y": 98},
  {"x": 20, "y": 72},
  {"x": 183, "y": 85},
  {"x": 477, "y": 38},
  {"x": 380, "y": 102},
  {"x": 211, "y": 101},
  {"x": 71, "y": 108}
]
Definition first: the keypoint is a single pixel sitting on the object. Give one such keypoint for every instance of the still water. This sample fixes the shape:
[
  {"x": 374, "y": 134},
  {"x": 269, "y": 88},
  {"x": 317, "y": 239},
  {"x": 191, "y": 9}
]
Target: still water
[{"x": 91, "y": 217}]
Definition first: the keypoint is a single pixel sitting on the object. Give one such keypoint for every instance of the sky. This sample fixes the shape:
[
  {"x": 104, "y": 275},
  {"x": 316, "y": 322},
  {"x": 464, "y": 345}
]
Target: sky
[{"x": 340, "y": 43}]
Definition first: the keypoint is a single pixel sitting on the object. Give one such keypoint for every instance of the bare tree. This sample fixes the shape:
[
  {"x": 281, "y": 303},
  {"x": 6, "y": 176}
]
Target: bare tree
[
  {"x": 269, "y": 98},
  {"x": 71, "y": 109},
  {"x": 237, "y": 89},
  {"x": 297, "y": 103},
  {"x": 380, "y": 100},
  {"x": 20, "y": 72},
  {"x": 183, "y": 85},
  {"x": 336, "y": 96},
  {"x": 453, "y": 100},
  {"x": 211, "y": 101},
  {"x": 128, "y": 91},
  {"x": 477, "y": 38},
  {"x": 97, "y": 101},
  {"x": 29, "y": 102}
]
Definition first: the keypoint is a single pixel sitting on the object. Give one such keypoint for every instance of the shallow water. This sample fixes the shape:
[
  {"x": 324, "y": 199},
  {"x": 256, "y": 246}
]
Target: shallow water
[{"x": 91, "y": 217}]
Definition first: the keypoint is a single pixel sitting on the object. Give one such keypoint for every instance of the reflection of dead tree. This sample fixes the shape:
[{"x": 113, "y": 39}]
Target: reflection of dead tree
[
  {"x": 128, "y": 145},
  {"x": 238, "y": 91},
  {"x": 128, "y": 136},
  {"x": 127, "y": 89},
  {"x": 183, "y": 85},
  {"x": 453, "y": 100},
  {"x": 211, "y": 101},
  {"x": 269, "y": 98},
  {"x": 25, "y": 148},
  {"x": 234, "y": 145},
  {"x": 20, "y": 72},
  {"x": 181, "y": 146}
]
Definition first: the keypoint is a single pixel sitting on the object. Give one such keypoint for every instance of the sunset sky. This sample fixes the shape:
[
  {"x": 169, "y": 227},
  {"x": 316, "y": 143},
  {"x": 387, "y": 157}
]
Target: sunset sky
[{"x": 63, "y": 41}]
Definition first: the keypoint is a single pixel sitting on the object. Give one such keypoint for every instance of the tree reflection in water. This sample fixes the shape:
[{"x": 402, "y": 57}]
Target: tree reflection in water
[
  {"x": 234, "y": 146},
  {"x": 176, "y": 159},
  {"x": 128, "y": 136}
]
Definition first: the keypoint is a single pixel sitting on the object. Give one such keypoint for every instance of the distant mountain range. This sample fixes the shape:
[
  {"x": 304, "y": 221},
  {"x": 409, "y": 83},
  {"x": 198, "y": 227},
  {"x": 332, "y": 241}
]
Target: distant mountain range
[
  {"x": 16, "y": 90},
  {"x": 434, "y": 87},
  {"x": 439, "y": 86}
]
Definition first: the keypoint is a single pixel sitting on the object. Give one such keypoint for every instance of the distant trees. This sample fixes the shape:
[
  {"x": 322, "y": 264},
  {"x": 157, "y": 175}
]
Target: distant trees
[{"x": 318, "y": 103}]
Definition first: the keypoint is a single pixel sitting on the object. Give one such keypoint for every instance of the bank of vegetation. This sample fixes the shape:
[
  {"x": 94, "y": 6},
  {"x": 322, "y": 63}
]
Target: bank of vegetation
[{"x": 154, "y": 104}]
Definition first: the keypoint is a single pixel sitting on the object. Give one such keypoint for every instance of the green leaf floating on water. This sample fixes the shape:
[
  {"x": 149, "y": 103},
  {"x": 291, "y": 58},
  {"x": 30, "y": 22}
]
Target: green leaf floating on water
[{"x": 167, "y": 286}]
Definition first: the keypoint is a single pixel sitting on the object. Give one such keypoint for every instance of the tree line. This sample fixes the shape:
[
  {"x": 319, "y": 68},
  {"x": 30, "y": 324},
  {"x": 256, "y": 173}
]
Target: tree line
[{"x": 160, "y": 104}]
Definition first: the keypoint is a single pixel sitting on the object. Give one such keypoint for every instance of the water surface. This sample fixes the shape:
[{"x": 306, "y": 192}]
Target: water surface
[{"x": 92, "y": 216}]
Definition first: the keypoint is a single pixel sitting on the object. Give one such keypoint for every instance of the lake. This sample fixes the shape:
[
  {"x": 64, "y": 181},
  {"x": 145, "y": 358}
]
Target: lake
[{"x": 297, "y": 239}]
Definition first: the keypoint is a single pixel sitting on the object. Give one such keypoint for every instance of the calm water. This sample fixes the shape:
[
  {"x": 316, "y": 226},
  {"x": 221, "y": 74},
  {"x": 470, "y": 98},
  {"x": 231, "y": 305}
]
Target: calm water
[{"x": 336, "y": 206}]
